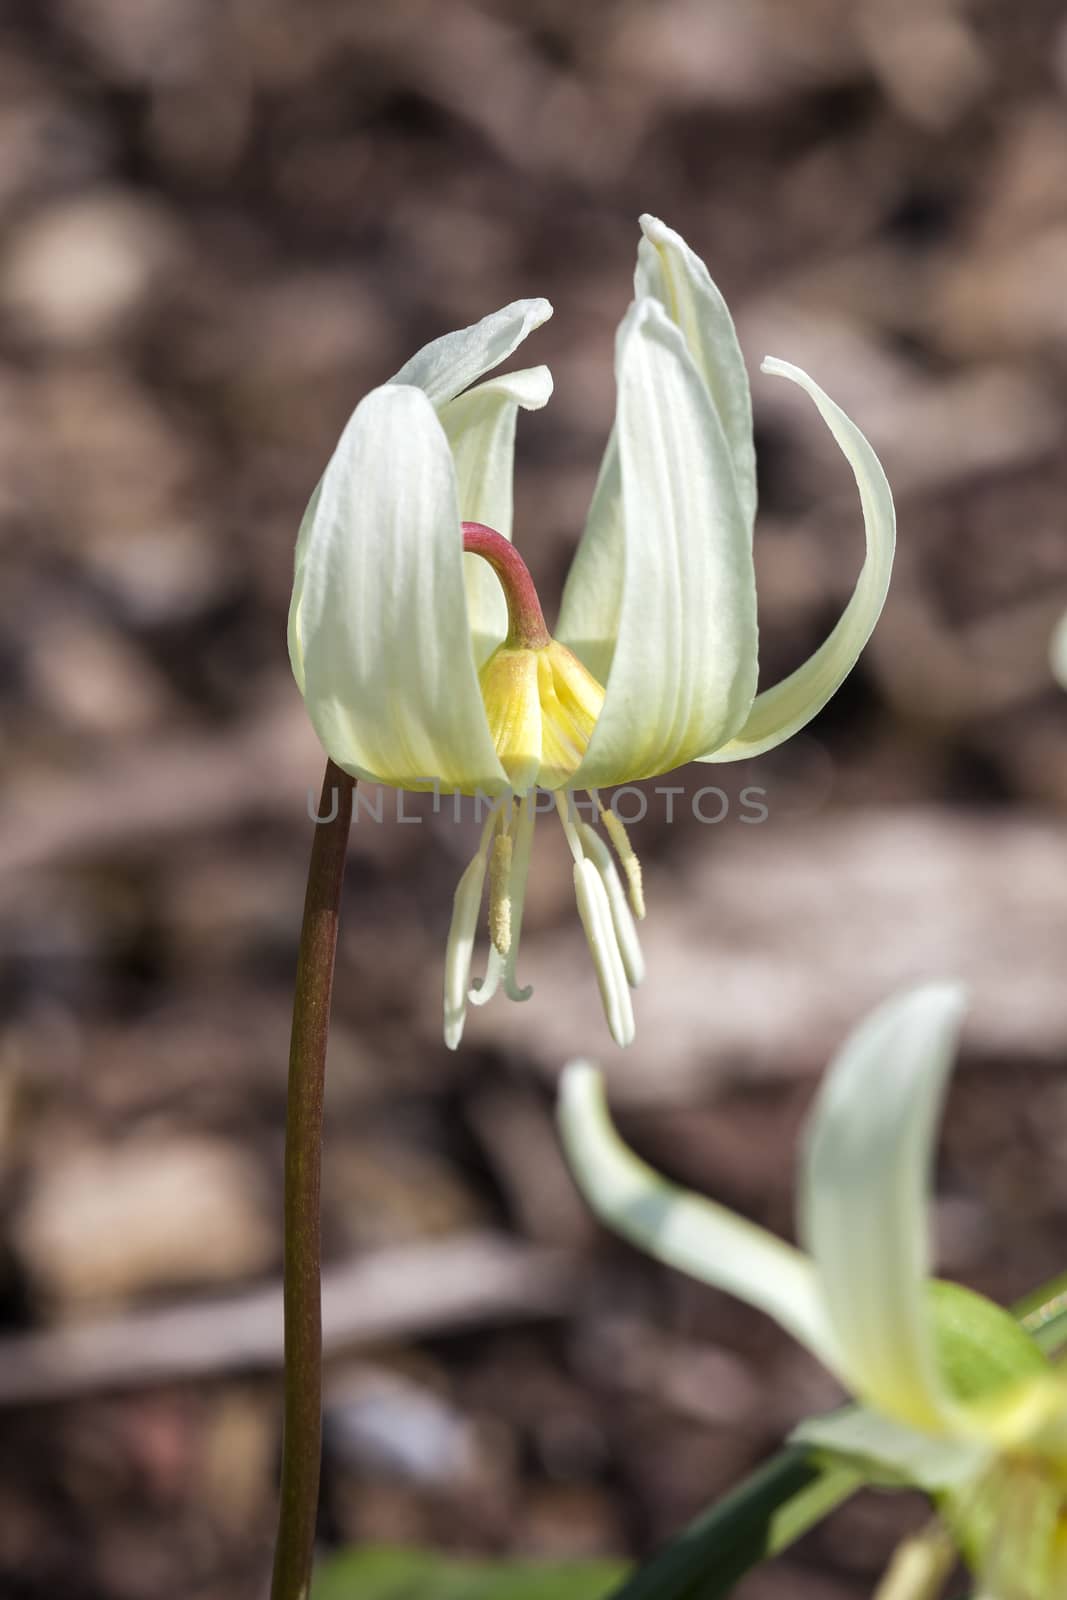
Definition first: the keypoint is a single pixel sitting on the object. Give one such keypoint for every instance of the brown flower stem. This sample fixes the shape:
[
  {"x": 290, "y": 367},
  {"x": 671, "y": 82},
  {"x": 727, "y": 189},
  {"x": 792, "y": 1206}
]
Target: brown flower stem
[{"x": 302, "y": 1437}]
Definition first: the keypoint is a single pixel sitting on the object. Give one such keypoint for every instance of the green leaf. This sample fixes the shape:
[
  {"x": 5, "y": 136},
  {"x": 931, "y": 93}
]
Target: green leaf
[
  {"x": 778, "y": 1503},
  {"x": 379, "y": 1573}
]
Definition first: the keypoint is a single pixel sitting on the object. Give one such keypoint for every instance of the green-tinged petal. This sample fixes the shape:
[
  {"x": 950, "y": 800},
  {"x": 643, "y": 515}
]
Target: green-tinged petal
[
  {"x": 684, "y": 668},
  {"x": 982, "y": 1351},
  {"x": 863, "y": 1199},
  {"x": 892, "y": 1452},
  {"x": 591, "y": 608},
  {"x": 480, "y": 427},
  {"x": 684, "y": 1230},
  {"x": 446, "y": 366},
  {"x": 669, "y": 271},
  {"x": 390, "y": 680},
  {"x": 780, "y": 712}
]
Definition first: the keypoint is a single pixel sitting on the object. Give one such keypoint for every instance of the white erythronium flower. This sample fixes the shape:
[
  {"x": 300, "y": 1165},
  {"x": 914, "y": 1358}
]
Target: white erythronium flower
[
  {"x": 954, "y": 1396},
  {"x": 418, "y": 643}
]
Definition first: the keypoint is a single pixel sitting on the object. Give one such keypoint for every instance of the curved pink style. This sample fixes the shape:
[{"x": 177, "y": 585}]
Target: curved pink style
[{"x": 526, "y": 621}]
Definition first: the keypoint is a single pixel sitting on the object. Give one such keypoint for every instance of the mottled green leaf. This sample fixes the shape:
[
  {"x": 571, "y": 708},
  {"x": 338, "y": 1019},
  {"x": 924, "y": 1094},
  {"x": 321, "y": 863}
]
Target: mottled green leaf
[{"x": 388, "y": 1574}]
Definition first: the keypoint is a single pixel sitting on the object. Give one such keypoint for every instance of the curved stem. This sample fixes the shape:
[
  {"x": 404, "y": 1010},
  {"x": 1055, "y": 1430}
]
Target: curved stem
[
  {"x": 526, "y": 620},
  {"x": 302, "y": 1437}
]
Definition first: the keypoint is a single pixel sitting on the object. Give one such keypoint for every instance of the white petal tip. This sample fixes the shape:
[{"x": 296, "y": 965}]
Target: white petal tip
[
  {"x": 538, "y": 311},
  {"x": 942, "y": 998},
  {"x": 537, "y": 391}
]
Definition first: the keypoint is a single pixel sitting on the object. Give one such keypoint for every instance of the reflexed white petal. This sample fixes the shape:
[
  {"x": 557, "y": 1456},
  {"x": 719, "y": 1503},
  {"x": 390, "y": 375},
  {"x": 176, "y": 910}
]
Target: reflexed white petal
[
  {"x": 390, "y": 681},
  {"x": 447, "y": 365},
  {"x": 595, "y": 914},
  {"x": 684, "y": 668},
  {"x": 591, "y": 607},
  {"x": 781, "y": 711},
  {"x": 672, "y": 273},
  {"x": 681, "y": 1229},
  {"x": 893, "y": 1451},
  {"x": 480, "y": 427},
  {"x": 863, "y": 1198}
]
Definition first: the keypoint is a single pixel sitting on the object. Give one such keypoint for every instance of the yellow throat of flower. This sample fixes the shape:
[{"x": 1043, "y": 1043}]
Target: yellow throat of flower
[
  {"x": 542, "y": 706},
  {"x": 540, "y": 701}
]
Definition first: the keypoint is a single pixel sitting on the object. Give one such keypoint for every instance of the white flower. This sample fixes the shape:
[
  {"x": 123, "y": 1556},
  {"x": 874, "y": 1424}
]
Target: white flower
[
  {"x": 420, "y": 667},
  {"x": 955, "y": 1396}
]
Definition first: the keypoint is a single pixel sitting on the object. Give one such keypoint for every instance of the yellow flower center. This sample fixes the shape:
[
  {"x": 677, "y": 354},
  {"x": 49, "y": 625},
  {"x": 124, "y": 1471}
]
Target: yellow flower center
[
  {"x": 542, "y": 706},
  {"x": 541, "y": 703}
]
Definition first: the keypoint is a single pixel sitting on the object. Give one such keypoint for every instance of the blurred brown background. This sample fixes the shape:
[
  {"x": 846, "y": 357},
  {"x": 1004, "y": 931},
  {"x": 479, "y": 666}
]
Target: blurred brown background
[{"x": 221, "y": 225}]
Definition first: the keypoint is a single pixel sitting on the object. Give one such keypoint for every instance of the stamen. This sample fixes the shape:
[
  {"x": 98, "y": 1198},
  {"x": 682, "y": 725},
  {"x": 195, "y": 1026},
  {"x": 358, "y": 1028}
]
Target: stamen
[
  {"x": 595, "y": 913},
  {"x": 564, "y": 805},
  {"x": 627, "y": 855},
  {"x": 520, "y": 870},
  {"x": 497, "y": 966},
  {"x": 625, "y": 932},
  {"x": 500, "y": 894},
  {"x": 482, "y": 990},
  {"x": 465, "y": 907}
]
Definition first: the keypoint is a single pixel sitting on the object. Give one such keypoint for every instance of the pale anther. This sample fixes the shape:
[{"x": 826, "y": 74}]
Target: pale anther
[
  {"x": 627, "y": 860},
  {"x": 500, "y": 893}
]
